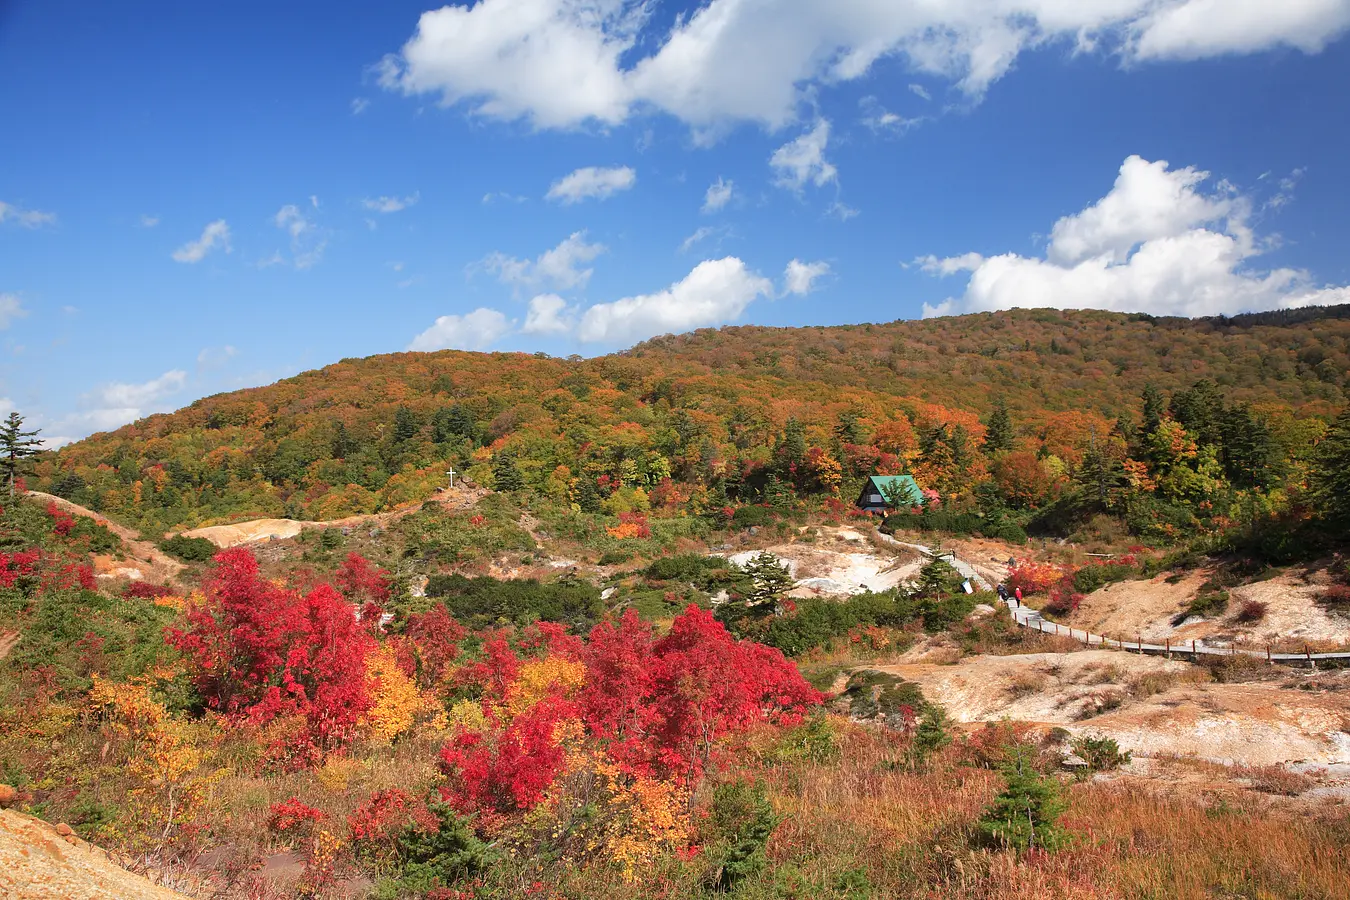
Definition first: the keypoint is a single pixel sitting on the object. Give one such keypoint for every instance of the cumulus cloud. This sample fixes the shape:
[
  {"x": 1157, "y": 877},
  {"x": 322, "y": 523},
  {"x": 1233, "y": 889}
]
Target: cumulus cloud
[
  {"x": 472, "y": 331},
  {"x": 733, "y": 60},
  {"x": 800, "y": 278},
  {"x": 117, "y": 403},
  {"x": 388, "y": 205},
  {"x": 715, "y": 292},
  {"x": 719, "y": 195},
  {"x": 801, "y": 161},
  {"x": 592, "y": 183},
  {"x": 25, "y": 218},
  {"x": 549, "y": 314},
  {"x": 215, "y": 235},
  {"x": 11, "y": 308},
  {"x": 1158, "y": 242},
  {"x": 559, "y": 268}
]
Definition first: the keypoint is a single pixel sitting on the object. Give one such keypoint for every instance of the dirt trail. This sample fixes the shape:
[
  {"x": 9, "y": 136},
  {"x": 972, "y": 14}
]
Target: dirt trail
[
  {"x": 38, "y": 861},
  {"x": 460, "y": 497},
  {"x": 145, "y": 561}
]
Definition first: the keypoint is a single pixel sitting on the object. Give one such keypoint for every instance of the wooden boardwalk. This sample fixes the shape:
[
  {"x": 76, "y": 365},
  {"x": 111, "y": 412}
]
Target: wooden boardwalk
[{"x": 1029, "y": 618}]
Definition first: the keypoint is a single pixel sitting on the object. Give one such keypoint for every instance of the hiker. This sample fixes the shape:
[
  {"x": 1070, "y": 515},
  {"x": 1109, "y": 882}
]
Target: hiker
[
  {"x": 1017, "y": 593},
  {"x": 1002, "y": 592}
]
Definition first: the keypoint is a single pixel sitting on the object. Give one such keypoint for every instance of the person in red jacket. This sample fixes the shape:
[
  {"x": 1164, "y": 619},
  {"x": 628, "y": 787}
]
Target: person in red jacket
[{"x": 1017, "y": 594}]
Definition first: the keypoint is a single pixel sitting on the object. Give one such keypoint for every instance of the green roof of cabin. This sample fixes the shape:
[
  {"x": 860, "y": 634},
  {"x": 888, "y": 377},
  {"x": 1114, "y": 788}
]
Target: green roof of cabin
[{"x": 899, "y": 485}]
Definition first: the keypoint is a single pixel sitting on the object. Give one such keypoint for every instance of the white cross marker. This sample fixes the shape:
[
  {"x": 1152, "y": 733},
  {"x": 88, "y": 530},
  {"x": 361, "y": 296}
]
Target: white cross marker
[{"x": 451, "y": 473}]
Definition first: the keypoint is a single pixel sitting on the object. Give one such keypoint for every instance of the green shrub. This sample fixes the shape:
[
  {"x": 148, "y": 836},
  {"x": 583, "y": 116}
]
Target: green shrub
[
  {"x": 189, "y": 549},
  {"x": 742, "y": 821},
  {"x": 1101, "y": 754},
  {"x": 1026, "y": 813},
  {"x": 440, "y": 858},
  {"x": 1090, "y": 578},
  {"x": 484, "y": 602},
  {"x": 751, "y": 517}
]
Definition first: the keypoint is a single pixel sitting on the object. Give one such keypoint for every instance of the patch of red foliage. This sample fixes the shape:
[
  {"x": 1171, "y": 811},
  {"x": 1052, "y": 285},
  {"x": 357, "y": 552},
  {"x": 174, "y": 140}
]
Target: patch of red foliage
[{"x": 259, "y": 651}]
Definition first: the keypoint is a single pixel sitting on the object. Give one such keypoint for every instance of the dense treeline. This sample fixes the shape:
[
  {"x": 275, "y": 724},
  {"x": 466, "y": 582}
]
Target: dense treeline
[{"x": 994, "y": 412}]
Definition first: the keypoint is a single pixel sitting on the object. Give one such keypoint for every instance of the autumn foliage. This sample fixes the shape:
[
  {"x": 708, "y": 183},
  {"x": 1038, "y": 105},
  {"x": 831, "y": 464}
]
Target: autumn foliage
[{"x": 258, "y": 651}]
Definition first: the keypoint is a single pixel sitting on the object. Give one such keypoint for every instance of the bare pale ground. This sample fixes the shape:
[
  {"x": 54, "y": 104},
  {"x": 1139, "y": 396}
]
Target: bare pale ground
[
  {"x": 1147, "y": 609},
  {"x": 840, "y": 561},
  {"x": 1111, "y": 694},
  {"x": 37, "y": 862},
  {"x": 143, "y": 560},
  {"x": 253, "y": 531}
]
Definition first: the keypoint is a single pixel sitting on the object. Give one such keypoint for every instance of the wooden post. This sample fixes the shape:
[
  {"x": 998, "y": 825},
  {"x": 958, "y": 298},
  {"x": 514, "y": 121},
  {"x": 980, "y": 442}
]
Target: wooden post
[
  {"x": 1167, "y": 645},
  {"x": 1139, "y": 643},
  {"x": 1268, "y": 659},
  {"x": 1194, "y": 656}
]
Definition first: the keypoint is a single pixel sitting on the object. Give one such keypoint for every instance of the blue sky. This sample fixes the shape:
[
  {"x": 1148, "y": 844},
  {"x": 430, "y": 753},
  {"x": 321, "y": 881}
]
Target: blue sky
[{"x": 201, "y": 197}]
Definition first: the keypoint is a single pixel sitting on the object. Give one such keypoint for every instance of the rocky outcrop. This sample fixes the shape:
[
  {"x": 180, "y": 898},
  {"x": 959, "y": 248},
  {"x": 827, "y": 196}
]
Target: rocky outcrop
[{"x": 40, "y": 861}]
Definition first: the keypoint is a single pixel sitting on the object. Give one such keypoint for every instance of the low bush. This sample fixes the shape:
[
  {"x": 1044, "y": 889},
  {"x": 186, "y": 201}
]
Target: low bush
[
  {"x": 189, "y": 549},
  {"x": 1251, "y": 611},
  {"x": 1101, "y": 754},
  {"x": 485, "y": 602},
  {"x": 741, "y": 821}
]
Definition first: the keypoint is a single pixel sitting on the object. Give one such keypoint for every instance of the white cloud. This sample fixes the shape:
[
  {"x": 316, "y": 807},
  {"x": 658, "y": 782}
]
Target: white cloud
[
  {"x": 118, "y": 403},
  {"x": 549, "y": 314},
  {"x": 307, "y": 244},
  {"x": 966, "y": 262},
  {"x": 800, "y": 278},
  {"x": 879, "y": 119},
  {"x": 1147, "y": 202},
  {"x": 802, "y": 160},
  {"x": 215, "y": 357},
  {"x": 216, "y": 234},
  {"x": 494, "y": 196},
  {"x": 733, "y": 60},
  {"x": 359, "y": 105},
  {"x": 920, "y": 91},
  {"x": 715, "y": 292},
  {"x": 702, "y": 234},
  {"x": 25, "y": 218},
  {"x": 148, "y": 221},
  {"x": 388, "y": 205},
  {"x": 1155, "y": 243},
  {"x": 718, "y": 195},
  {"x": 842, "y": 211},
  {"x": 559, "y": 268},
  {"x": 592, "y": 182},
  {"x": 6, "y": 406},
  {"x": 10, "y": 309},
  {"x": 121, "y": 394},
  {"x": 471, "y": 331}
]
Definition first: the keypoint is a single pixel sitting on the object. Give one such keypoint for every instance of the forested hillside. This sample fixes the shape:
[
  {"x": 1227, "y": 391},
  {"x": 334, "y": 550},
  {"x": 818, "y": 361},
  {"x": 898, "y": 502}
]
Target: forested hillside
[{"x": 1170, "y": 421}]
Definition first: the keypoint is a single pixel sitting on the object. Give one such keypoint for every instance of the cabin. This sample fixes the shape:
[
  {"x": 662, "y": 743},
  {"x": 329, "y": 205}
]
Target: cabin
[{"x": 882, "y": 493}]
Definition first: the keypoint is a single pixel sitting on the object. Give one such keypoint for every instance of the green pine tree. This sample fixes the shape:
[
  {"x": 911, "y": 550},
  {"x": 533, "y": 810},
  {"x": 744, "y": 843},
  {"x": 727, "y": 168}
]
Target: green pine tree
[
  {"x": 406, "y": 425},
  {"x": 1026, "y": 814},
  {"x": 743, "y": 820},
  {"x": 17, "y": 447},
  {"x": 1329, "y": 477},
  {"x": 847, "y": 429},
  {"x": 769, "y": 582},
  {"x": 506, "y": 476},
  {"x": 931, "y": 735},
  {"x": 998, "y": 434},
  {"x": 344, "y": 445},
  {"x": 1155, "y": 407}
]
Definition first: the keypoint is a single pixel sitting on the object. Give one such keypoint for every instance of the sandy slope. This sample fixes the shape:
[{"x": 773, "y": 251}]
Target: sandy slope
[
  {"x": 144, "y": 560},
  {"x": 37, "y": 862},
  {"x": 237, "y": 534},
  {"x": 1147, "y": 608},
  {"x": 1098, "y": 692}
]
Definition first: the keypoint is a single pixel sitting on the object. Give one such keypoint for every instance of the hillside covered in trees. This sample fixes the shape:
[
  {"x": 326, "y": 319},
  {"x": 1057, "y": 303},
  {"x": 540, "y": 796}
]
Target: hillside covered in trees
[{"x": 1177, "y": 425}]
